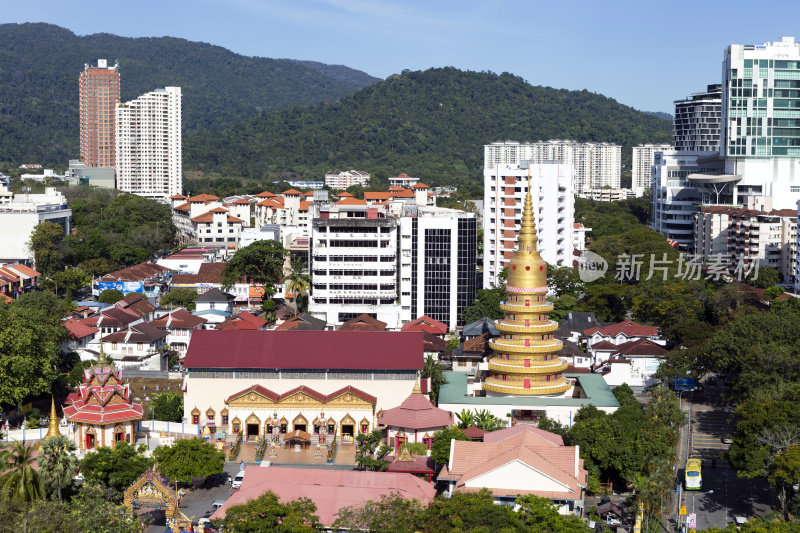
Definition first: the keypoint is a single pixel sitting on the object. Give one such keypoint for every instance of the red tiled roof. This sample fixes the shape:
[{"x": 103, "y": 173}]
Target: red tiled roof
[
  {"x": 416, "y": 412},
  {"x": 265, "y": 194},
  {"x": 373, "y": 195},
  {"x": 344, "y": 194},
  {"x": 351, "y": 201},
  {"x": 22, "y": 269},
  {"x": 603, "y": 345},
  {"x": 640, "y": 348},
  {"x": 136, "y": 303},
  {"x": 203, "y": 198},
  {"x": 363, "y": 322},
  {"x": 352, "y": 350},
  {"x": 420, "y": 185},
  {"x": 76, "y": 330},
  {"x": 182, "y": 207},
  {"x": 292, "y": 192},
  {"x": 577, "y": 225},
  {"x": 420, "y": 465},
  {"x": 426, "y": 323},
  {"x": 177, "y": 197},
  {"x": 207, "y": 273},
  {"x": 626, "y": 327},
  {"x": 218, "y": 210},
  {"x": 243, "y": 320},
  {"x": 93, "y": 401},
  {"x": 405, "y": 193},
  {"x": 330, "y": 490},
  {"x": 208, "y": 217},
  {"x": 241, "y": 201},
  {"x": 139, "y": 272},
  {"x": 112, "y": 316},
  {"x": 304, "y": 205},
  {"x": 474, "y": 432},
  {"x": 507, "y": 433},
  {"x": 139, "y": 333}
]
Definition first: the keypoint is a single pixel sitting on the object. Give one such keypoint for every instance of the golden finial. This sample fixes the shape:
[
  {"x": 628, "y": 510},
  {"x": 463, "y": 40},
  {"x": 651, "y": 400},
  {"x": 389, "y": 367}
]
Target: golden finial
[
  {"x": 101, "y": 359},
  {"x": 53, "y": 431},
  {"x": 417, "y": 389},
  {"x": 527, "y": 269},
  {"x": 527, "y": 234}
]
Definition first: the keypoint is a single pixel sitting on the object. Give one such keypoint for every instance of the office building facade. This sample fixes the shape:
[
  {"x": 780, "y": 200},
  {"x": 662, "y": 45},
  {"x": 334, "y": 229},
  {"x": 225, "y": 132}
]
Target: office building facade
[
  {"x": 98, "y": 96},
  {"x": 149, "y": 146},
  {"x": 697, "y": 121}
]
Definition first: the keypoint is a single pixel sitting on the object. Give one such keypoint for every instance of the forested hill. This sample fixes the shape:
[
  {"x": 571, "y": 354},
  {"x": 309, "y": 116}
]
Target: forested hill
[
  {"x": 40, "y": 64},
  {"x": 431, "y": 124}
]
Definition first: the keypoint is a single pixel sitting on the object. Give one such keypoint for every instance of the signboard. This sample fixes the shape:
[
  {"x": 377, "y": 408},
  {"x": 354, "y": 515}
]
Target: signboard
[
  {"x": 684, "y": 383},
  {"x": 254, "y": 291},
  {"x": 691, "y": 521},
  {"x": 125, "y": 287},
  {"x": 683, "y": 510}
]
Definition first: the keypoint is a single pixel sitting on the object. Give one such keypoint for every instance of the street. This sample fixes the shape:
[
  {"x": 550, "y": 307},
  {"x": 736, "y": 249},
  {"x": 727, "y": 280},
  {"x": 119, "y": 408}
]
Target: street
[{"x": 723, "y": 494}]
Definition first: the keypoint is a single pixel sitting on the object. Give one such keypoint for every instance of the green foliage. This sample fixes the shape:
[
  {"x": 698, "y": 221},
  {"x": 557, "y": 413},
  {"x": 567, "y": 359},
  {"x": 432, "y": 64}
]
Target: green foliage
[
  {"x": 433, "y": 370},
  {"x": 179, "y": 297},
  {"x": 482, "y": 419},
  {"x": 51, "y": 57},
  {"x": 440, "y": 449},
  {"x": 391, "y": 514},
  {"x": 96, "y": 267},
  {"x": 30, "y": 337},
  {"x": 564, "y": 281},
  {"x": 774, "y": 291},
  {"x": 298, "y": 282},
  {"x": 261, "y": 263},
  {"x": 486, "y": 304},
  {"x": 764, "y": 277},
  {"x": 57, "y": 462},
  {"x": 167, "y": 406},
  {"x": 425, "y": 123},
  {"x": 65, "y": 282},
  {"x": 370, "y": 454},
  {"x": 553, "y": 426},
  {"x": 415, "y": 448},
  {"x": 267, "y": 513},
  {"x": 19, "y": 480},
  {"x": 110, "y": 296},
  {"x": 115, "y": 468},
  {"x": 45, "y": 240},
  {"x": 624, "y": 395},
  {"x": 188, "y": 459}
]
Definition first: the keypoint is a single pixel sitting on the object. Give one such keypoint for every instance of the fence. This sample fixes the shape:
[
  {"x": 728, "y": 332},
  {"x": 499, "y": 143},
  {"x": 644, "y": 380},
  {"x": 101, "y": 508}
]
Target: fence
[
  {"x": 25, "y": 434},
  {"x": 168, "y": 427},
  {"x": 150, "y": 374}
]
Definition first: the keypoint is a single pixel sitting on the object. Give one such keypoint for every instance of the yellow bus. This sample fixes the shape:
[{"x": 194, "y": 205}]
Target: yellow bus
[{"x": 693, "y": 478}]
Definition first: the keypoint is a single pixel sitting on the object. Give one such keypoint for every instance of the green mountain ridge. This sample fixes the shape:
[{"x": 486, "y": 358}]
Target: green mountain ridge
[
  {"x": 432, "y": 124},
  {"x": 40, "y": 64}
]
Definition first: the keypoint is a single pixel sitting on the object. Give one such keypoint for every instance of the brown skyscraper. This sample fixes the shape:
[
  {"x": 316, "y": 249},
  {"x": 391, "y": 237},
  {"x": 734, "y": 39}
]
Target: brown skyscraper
[{"x": 99, "y": 96}]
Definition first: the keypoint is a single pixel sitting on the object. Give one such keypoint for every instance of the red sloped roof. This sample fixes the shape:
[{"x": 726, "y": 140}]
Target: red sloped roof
[
  {"x": 474, "y": 432},
  {"x": 420, "y": 185},
  {"x": 22, "y": 269},
  {"x": 304, "y": 205},
  {"x": 416, "y": 412},
  {"x": 352, "y": 350},
  {"x": 640, "y": 347},
  {"x": 177, "y": 197},
  {"x": 265, "y": 194},
  {"x": 363, "y": 322},
  {"x": 371, "y": 195},
  {"x": 203, "y": 198},
  {"x": 182, "y": 207},
  {"x": 243, "y": 320},
  {"x": 603, "y": 345},
  {"x": 178, "y": 319},
  {"x": 241, "y": 201},
  {"x": 405, "y": 193},
  {"x": 426, "y": 323},
  {"x": 77, "y": 330},
  {"x": 351, "y": 201},
  {"x": 292, "y": 192},
  {"x": 626, "y": 327}
]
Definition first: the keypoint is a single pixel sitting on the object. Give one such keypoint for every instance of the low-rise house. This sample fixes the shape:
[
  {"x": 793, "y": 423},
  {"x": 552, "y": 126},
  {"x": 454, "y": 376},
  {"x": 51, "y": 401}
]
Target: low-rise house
[
  {"x": 149, "y": 278},
  {"x": 137, "y": 304},
  {"x": 427, "y": 324},
  {"x": 214, "y": 305},
  {"x": 515, "y": 461},
  {"x": 363, "y": 322},
  {"x": 622, "y": 332},
  {"x": 179, "y": 325},
  {"x": 244, "y": 320},
  {"x": 139, "y": 346},
  {"x": 635, "y": 362},
  {"x": 17, "y": 279},
  {"x": 303, "y": 322},
  {"x": 79, "y": 336}
]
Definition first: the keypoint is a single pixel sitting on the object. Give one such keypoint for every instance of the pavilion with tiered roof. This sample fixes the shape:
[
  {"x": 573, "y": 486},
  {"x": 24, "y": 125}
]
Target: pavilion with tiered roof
[{"x": 101, "y": 410}]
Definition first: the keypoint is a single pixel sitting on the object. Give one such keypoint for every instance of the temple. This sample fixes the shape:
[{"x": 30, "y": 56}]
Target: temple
[
  {"x": 525, "y": 360},
  {"x": 101, "y": 411}
]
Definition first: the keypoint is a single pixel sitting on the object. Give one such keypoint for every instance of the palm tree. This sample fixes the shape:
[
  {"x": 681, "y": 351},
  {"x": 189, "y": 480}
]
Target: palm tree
[
  {"x": 433, "y": 370},
  {"x": 298, "y": 282},
  {"x": 465, "y": 419},
  {"x": 20, "y": 481},
  {"x": 487, "y": 421},
  {"x": 57, "y": 462}
]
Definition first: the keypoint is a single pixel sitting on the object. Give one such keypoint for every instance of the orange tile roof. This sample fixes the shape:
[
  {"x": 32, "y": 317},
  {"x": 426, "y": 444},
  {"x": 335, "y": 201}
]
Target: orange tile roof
[
  {"x": 265, "y": 194},
  {"x": 309, "y": 193},
  {"x": 177, "y": 197},
  {"x": 426, "y": 323},
  {"x": 218, "y": 210},
  {"x": 208, "y": 217},
  {"x": 304, "y": 205},
  {"x": 203, "y": 198},
  {"x": 291, "y": 192},
  {"x": 241, "y": 201},
  {"x": 351, "y": 201},
  {"x": 182, "y": 207},
  {"x": 405, "y": 193},
  {"x": 369, "y": 195},
  {"x": 420, "y": 185},
  {"x": 22, "y": 269},
  {"x": 395, "y": 188},
  {"x": 344, "y": 194}
]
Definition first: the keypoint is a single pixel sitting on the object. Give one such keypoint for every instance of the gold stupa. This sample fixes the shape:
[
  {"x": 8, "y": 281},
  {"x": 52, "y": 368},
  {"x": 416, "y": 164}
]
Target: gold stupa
[{"x": 525, "y": 360}]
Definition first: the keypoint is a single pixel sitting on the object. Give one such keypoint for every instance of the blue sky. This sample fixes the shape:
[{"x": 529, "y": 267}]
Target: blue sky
[{"x": 642, "y": 53}]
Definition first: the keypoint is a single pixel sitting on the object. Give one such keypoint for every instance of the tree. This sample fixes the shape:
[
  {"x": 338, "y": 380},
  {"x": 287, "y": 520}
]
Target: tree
[
  {"x": 774, "y": 291},
  {"x": 440, "y": 449},
  {"x": 298, "y": 282},
  {"x": 433, "y": 371},
  {"x": 66, "y": 281},
  {"x": 20, "y": 481},
  {"x": 391, "y": 514},
  {"x": 110, "y": 296},
  {"x": 167, "y": 406},
  {"x": 487, "y": 304},
  {"x": 267, "y": 514},
  {"x": 540, "y": 515},
  {"x": 763, "y": 277},
  {"x": 97, "y": 267},
  {"x": 370, "y": 455},
  {"x": 179, "y": 297},
  {"x": 624, "y": 395},
  {"x": 468, "y": 511},
  {"x": 564, "y": 281},
  {"x": 30, "y": 337},
  {"x": 188, "y": 459},
  {"x": 116, "y": 468},
  {"x": 466, "y": 419},
  {"x": 57, "y": 462},
  {"x": 553, "y": 426},
  {"x": 261, "y": 263},
  {"x": 45, "y": 241}
]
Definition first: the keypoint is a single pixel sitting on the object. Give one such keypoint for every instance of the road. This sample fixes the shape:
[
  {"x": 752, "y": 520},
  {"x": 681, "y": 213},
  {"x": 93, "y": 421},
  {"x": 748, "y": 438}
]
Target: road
[{"x": 723, "y": 495}]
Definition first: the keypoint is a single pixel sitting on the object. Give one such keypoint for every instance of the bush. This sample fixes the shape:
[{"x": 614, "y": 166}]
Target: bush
[
  {"x": 110, "y": 296},
  {"x": 773, "y": 292}
]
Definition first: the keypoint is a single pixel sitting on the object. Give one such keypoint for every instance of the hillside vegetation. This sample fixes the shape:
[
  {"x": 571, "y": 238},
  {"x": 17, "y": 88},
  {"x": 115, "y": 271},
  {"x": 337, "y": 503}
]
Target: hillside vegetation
[
  {"x": 40, "y": 64},
  {"x": 431, "y": 124}
]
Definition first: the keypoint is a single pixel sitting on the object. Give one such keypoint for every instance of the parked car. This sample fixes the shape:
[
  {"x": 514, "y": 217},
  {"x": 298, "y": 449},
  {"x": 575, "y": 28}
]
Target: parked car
[
  {"x": 726, "y": 439},
  {"x": 237, "y": 480}
]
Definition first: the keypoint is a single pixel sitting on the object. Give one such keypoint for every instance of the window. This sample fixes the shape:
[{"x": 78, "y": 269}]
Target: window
[
  {"x": 224, "y": 420},
  {"x": 140, "y": 346},
  {"x": 195, "y": 419}
]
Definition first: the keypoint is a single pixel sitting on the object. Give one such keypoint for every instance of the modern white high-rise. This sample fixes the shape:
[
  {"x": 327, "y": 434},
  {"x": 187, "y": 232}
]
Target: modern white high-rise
[
  {"x": 760, "y": 134},
  {"x": 697, "y": 121},
  {"x": 553, "y": 197},
  {"x": 596, "y": 164},
  {"x": 149, "y": 153},
  {"x": 643, "y": 157}
]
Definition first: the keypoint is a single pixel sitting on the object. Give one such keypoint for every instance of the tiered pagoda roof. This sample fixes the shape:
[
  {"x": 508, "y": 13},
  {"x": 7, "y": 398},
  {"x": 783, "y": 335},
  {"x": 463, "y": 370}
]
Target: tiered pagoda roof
[
  {"x": 102, "y": 398},
  {"x": 525, "y": 360}
]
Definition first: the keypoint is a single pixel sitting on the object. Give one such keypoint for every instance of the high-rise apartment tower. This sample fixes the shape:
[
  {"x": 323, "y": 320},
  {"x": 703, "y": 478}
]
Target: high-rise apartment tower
[{"x": 98, "y": 95}]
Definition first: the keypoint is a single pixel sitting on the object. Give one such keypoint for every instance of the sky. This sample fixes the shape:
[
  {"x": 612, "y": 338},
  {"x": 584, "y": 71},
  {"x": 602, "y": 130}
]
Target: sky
[{"x": 642, "y": 53}]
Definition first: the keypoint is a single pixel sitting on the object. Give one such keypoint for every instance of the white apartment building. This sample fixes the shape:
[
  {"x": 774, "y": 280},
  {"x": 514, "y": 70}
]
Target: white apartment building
[
  {"x": 595, "y": 165},
  {"x": 403, "y": 180},
  {"x": 345, "y": 179},
  {"x": 149, "y": 159},
  {"x": 745, "y": 236},
  {"x": 579, "y": 232},
  {"x": 553, "y": 198},
  {"x": 599, "y": 194},
  {"x": 203, "y": 219},
  {"x": 21, "y": 213},
  {"x": 643, "y": 157}
]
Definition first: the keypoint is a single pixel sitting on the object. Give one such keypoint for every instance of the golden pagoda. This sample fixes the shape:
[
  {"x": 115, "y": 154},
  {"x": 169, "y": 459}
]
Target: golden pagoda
[{"x": 525, "y": 360}]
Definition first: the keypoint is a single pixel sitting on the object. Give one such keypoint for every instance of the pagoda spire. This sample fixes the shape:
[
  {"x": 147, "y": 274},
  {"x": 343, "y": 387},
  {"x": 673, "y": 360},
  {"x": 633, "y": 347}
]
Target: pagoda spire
[{"x": 53, "y": 431}]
